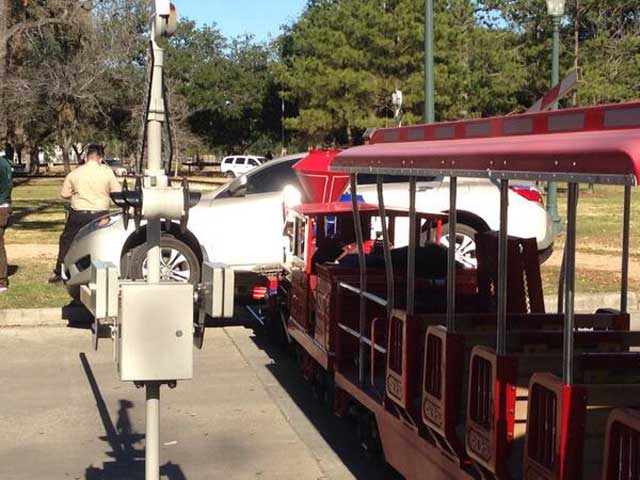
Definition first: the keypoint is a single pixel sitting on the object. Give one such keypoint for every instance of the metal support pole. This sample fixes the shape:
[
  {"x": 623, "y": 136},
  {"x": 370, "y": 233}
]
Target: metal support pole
[
  {"x": 154, "y": 170},
  {"x": 626, "y": 232},
  {"x": 503, "y": 245},
  {"x": 570, "y": 281},
  {"x": 386, "y": 244},
  {"x": 411, "y": 257},
  {"x": 451, "y": 263},
  {"x": 552, "y": 187},
  {"x": 152, "y": 437},
  {"x": 357, "y": 222},
  {"x": 429, "y": 76}
]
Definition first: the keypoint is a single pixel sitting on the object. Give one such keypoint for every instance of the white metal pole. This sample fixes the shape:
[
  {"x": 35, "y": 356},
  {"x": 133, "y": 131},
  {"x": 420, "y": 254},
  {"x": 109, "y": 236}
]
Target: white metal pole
[
  {"x": 152, "y": 438},
  {"x": 154, "y": 178},
  {"x": 154, "y": 173}
]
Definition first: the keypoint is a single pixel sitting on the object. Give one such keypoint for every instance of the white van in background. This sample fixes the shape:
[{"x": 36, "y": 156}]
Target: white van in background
[{"x": 240, "y": 164}]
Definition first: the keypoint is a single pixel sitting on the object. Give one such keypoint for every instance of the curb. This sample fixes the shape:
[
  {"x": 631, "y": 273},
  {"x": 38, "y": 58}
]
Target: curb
[
  {"x": 43, "y": 317},
  {"x": 591, "y": 303},
  {"x": 61, "y": 317}
]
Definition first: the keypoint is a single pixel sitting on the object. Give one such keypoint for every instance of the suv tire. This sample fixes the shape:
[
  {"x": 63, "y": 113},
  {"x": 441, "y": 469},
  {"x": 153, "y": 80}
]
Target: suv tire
[{"x": 179, "y": 262}]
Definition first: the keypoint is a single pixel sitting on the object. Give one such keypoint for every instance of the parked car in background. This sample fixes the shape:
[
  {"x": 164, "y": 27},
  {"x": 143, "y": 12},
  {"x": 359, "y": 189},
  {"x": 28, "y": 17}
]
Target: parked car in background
[
  {"x": 117, "y": 166},
  {"x": 240, "y": 164},
  {"x": 241, "y": 224}
]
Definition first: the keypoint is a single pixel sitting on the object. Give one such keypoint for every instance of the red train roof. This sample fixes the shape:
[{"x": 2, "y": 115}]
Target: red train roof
[{"x": 595, "y": 144}]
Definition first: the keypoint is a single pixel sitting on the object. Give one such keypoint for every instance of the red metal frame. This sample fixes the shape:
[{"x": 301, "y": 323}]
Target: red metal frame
[
  {"x": 490, "y": 409},
  {"x": 402, "y": 339},
  {"x": 318, "y": 182},
  {"x": 442, "y": 385},
  {"x": 584, "y": 119},
  {"x": 622, "y": 446},
  {"x": 555, "y": 429}
]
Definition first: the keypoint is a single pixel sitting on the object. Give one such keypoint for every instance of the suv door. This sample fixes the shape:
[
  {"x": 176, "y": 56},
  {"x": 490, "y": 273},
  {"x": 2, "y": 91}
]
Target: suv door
[{"x": 240, "y": 166}]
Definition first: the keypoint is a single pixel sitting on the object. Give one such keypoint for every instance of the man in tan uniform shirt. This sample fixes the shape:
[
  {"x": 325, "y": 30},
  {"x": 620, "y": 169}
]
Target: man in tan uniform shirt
[{"x": 88, "y": 188}]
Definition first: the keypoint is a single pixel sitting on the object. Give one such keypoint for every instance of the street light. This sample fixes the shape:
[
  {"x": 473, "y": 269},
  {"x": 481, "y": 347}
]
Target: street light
[
  {"x": 396, "y": 103},
  {"x": 429, "y": 77},
  {"x": 555, "y": 8}
]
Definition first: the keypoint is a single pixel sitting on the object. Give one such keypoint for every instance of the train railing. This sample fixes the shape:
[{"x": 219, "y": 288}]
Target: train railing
[{"x": 622, "y": 446}]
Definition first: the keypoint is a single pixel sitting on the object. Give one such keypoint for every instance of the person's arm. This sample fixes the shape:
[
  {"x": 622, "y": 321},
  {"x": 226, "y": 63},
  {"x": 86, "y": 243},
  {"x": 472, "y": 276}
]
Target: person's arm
[
  {"x": 67, "y": 188},
  {"x": 114, "y": 184}
]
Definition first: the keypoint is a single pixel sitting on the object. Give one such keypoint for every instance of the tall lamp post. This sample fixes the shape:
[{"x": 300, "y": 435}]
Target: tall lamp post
[
  {"x": 429, "y": 77},
  {"x": 555, "y": 8}
]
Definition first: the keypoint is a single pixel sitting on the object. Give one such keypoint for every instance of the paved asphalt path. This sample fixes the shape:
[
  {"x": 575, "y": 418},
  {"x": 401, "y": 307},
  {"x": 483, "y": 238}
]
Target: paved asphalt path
[{"x": 246, "y": 415}]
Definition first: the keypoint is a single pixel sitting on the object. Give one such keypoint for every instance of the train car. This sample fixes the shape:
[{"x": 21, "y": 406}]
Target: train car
[{"x": 480, "y": 381}]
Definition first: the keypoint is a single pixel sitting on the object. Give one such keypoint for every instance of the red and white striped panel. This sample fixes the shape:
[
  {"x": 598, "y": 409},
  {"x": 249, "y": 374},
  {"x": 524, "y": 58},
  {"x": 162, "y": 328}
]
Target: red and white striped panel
[
  {"x": 558, "y": 92},
  {"x": 598, "y": 118}
]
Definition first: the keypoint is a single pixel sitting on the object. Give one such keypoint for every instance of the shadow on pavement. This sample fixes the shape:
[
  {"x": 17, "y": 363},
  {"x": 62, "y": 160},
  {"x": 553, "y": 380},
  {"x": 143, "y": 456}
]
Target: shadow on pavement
[
  {"x": 339, "y": 433},
  {"x": 128, "y": 461}
]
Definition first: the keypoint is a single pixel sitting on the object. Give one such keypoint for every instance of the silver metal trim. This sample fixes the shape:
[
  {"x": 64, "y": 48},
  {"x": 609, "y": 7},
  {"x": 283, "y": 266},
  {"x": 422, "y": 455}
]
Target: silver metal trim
[
  {"x": 411, "y": 257},
  {"x": 451, "y": 261},
  {"x": 626, "y": 233},
  {"x": 503, "y": 245},
  {"x": 384, "y": 221},
  {"x": 570, "y": 280},
  {"x": 362, "y": 339},
  {"x": 369, "y": 296},
  {"x": 357, "y": 222},
  {"x": 595, "y": 178}
]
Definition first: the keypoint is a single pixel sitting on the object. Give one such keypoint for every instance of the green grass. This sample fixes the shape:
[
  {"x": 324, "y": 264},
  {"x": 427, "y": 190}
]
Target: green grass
[
  {"x": 38, "y": 218},
  {"x": 599, "y": 224},
  {"x": 38, "y": 212},
  {"x": 587, "y": 281},
  {"x": 29, "y": 287}
]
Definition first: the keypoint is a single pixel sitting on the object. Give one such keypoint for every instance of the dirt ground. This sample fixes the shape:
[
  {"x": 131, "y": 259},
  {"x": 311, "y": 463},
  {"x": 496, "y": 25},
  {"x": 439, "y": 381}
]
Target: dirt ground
[
  {"x": 32, "y": 251},
  {"x": 603, "y": 263}
]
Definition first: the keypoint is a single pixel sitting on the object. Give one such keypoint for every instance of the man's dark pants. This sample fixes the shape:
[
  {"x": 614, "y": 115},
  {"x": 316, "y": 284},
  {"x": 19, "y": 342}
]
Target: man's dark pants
[
  {"x": 75, "y": 222},
  {"x": 5, "y": 213}
]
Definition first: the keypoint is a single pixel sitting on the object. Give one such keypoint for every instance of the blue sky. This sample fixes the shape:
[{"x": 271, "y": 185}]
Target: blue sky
[{"x": 261, "y": 18}]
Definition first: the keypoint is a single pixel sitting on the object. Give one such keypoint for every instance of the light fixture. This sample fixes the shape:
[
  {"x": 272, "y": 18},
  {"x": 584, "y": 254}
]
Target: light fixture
[{"x": 556, "y": 7}]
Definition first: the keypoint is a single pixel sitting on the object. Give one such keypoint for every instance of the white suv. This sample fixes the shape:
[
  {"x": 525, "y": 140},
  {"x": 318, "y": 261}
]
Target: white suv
[{"x": 239, "y": 165}]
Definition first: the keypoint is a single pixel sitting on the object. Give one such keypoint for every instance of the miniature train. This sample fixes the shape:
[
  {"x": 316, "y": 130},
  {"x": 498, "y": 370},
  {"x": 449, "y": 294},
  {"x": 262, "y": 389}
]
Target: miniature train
[{"x": 459, "y": 373}]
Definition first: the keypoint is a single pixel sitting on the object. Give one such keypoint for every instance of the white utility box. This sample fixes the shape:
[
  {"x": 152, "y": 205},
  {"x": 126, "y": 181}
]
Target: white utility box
[
  {"x": 155, "y": 332},
  {"x": 219, "y": 289}
]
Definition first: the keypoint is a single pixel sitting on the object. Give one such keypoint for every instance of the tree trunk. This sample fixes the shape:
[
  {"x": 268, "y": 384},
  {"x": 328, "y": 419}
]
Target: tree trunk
[{"x": 65, "y": 145}]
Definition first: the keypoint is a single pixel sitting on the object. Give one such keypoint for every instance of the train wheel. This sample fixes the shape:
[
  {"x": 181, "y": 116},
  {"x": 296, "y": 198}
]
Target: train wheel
[{"x": 368, "y": 434}]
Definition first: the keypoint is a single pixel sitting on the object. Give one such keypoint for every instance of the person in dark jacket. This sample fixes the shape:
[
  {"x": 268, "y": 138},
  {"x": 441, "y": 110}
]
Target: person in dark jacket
[{"x": 6, "y": 185}]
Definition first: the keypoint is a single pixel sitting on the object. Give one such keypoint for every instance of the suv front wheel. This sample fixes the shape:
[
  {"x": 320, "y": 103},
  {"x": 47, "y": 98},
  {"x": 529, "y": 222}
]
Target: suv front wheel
[{"x": 178, "y": 262}]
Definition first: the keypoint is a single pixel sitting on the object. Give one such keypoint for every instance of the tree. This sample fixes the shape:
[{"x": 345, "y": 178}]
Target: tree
[
  {"x": 609, "y": 38},
  {"x": 74, "y": 81},
  {"x": 342, "y": 60},
  {"x": 226, "y": 87}
]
